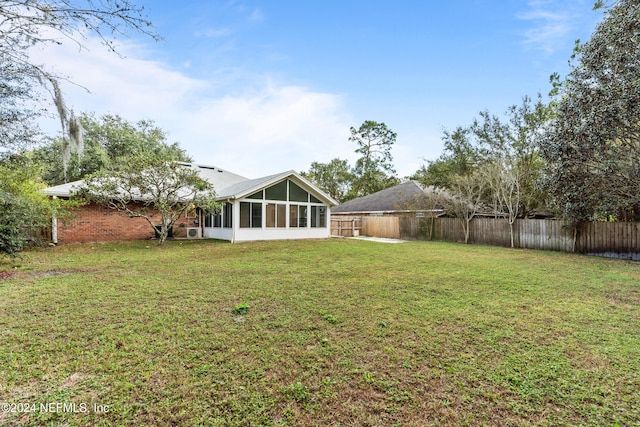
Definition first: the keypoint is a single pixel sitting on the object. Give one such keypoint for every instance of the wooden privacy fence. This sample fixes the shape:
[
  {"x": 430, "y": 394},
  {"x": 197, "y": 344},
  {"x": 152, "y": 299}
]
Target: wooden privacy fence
[
  {"x": 528, "y": 233},
  {"x": 346, "y": 226},
  {"x": 611, "y": 239},
  {"x": 381, "y": 226}
]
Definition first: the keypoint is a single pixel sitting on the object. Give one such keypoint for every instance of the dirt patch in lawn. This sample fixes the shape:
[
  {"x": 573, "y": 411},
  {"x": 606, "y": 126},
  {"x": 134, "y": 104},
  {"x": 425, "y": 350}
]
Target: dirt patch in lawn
[
  {"x": 50, "y": 273},
  {"x": 4, "y": 275}
]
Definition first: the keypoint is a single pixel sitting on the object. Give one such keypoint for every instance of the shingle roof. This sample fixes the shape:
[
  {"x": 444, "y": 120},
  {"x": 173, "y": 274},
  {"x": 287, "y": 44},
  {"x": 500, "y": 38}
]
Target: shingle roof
[
  {"x": 245, "y": 188},
  {"x": 227, "y": 185},
  {"x": 221, "y": 179},
  {"x": 249, "y": 186},
  {"x": 409, "y": 195}
]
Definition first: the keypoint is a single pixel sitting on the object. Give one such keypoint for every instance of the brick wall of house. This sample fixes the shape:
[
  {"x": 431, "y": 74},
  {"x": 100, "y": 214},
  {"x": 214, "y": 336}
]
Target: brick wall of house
[{"x": 94, "y": 223}]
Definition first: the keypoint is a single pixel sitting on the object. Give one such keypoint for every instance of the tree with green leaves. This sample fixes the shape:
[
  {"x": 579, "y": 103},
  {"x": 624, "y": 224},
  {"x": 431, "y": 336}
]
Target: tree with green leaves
[
  {"x": 106, "y": 139},
  {"x": 514, "y": 146},
  {"x": 24, "y": 211},
  {"x": 29, "y": 23},
  {"x": 151, "y": 185},
  {"x": 592, "y": 147},
  {"x": 459, "y": 158},
  {"x": 491, "y": 139},
  {"x": 334, "y": 178},
  {"x": 18, "y": 109},
  {"x": 374, "y": 169}
]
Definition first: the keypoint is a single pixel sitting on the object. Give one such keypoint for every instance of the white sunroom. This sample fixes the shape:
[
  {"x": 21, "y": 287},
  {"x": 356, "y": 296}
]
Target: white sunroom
[{"x": 277, "y": 207}]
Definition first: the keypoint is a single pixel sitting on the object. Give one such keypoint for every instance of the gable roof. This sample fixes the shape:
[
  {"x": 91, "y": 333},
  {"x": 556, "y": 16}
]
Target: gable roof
[
  {"x": 248, "y": 187},
  {"x": 409, "y": 195},
  {"x": 227, "y": 185}
]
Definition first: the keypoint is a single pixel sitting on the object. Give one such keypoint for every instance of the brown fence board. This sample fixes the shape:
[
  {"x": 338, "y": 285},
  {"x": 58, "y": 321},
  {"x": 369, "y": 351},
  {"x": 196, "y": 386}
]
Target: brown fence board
[
  {"x": 384, "y": 226},
  {"x": 345, "y": 226},
  {"x": 613, "y": 239}
]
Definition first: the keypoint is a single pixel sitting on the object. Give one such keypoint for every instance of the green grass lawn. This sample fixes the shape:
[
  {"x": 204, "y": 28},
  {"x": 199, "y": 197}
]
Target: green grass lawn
[{"x": 336, "y": 332}]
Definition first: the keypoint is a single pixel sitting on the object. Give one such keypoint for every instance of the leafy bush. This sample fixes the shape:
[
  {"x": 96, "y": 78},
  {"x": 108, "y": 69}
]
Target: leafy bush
[
  {"x": 12, "y": 232},
  {"x": 24, "y": 211}
]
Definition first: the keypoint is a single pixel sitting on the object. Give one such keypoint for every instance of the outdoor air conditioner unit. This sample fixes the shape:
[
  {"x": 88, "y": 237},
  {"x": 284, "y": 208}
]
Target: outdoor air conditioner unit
[{"x": 193, "y": 233}]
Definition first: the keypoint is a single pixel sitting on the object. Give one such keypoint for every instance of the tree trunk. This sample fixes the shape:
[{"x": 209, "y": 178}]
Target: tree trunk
[
  {"x": 433, "y": 223},
  {"x": 466, "y": 231},
  {"x": 511, "y": 233},
  {"x": 163, "y": 233}
]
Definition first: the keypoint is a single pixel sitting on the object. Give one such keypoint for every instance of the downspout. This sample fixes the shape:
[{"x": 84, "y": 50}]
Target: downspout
[
  {"x": 54, "y": 227},
  {"x": 233, "y": 219}
]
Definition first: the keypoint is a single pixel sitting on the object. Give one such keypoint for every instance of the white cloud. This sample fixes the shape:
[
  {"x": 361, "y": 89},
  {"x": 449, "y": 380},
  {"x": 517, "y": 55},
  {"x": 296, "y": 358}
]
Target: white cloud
[
  {"x": 274, "y": 129},
  {"x": 552, "y": 22},
  {"x": 258, "y": 130}
]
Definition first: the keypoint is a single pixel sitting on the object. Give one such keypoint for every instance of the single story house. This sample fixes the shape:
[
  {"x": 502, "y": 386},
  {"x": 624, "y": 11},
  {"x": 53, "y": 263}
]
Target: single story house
[
  {"x": 409, "y": 198},
  {"x": 389, "y": 212},
  {"x": 275, "y": 207}
]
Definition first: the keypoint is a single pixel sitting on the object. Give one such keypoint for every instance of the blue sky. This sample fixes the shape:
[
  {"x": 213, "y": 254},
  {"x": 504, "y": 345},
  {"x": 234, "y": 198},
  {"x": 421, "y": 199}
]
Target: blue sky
[{"x": 263, "y": 87}]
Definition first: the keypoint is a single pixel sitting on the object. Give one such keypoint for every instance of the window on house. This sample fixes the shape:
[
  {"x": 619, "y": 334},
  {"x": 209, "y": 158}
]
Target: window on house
[
  {"x": 276, "y": 215},
  {"x": 250, "y": 215},
  {"x": 245, "y": 215},
  {"x": 297, "y": 194},
  {"x": 319, "y": 216},
  {"x": 277, "y": 192},
  {"x": 212, "y": 220},
  {"x": 322, "y": 212},
  {"x": 256, "y": 215},
  {"x": 257, "y": 195},
  {"x": 271, "y": 215},
  {"x": 298, "y": 216},
  {"x": 282, "y": 216},
  {"x": 227, "y": 215},
  {"x": 293, "y": 215}
]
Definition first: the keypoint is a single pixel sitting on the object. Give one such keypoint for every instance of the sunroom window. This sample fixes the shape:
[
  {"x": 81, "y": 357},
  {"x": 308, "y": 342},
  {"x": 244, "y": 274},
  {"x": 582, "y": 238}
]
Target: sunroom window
[
  {"x": 318, "y": 216},
  {"x": 297, "y": 194},
  {"x": 277, "y": 192},
  {"x": 276, "y": 215},
  {"x": 297, "y": 216},
  {"x": 227, "y": 215},
  {"x": 250, "y": 215}
]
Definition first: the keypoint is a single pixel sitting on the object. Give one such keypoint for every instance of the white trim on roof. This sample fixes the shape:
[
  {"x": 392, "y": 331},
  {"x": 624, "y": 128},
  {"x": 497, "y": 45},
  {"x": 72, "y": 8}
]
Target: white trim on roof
[{"x": 265, "y": 182}]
